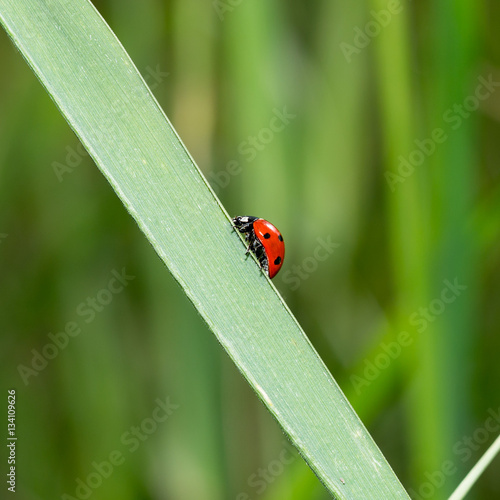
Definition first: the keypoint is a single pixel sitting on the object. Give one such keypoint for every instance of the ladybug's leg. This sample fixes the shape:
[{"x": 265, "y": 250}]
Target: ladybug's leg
[
  {"x": 264, "y": 265},
  {"x": 257, "y": 247},
  {"x": 245, "y": 228},
  {"x": 262, "y": 258},
  {"x": 242, "y": 227},
  {"x": 253, "y": 244},
  {"x": 260, "y": 253}
]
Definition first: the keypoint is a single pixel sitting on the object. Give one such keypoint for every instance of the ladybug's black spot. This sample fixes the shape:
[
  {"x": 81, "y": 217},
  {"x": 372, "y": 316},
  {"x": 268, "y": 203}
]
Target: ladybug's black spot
[
  {"x": 277, "y": 261},
  {"x": 280, "y": 237},
  {"x": 267, "y": 236}
]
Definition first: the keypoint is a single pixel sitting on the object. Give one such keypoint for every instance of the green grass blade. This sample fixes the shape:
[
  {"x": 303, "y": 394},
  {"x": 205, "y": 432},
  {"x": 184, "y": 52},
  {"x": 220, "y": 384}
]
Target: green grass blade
[
  {"x": 98, "y": 90},
  {"x": 475, "y": 473}
]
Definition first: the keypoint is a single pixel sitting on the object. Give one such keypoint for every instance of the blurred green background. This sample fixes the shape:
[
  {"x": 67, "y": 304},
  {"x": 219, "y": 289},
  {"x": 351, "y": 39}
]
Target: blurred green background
[{"x": 367, "y": 132}]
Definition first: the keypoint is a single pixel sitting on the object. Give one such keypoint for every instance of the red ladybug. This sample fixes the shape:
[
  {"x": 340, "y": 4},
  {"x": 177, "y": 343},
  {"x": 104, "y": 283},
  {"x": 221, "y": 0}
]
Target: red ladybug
[{"x": 264, "y": 240}]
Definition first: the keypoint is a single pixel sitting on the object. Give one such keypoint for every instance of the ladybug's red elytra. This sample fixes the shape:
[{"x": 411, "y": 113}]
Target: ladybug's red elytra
[{"x": 264, "y": 240}]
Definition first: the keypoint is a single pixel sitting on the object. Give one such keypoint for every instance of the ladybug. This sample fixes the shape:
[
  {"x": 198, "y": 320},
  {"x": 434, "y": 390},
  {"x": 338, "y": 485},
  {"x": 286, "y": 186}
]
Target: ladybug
[{"x": 264, "y": 240}]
